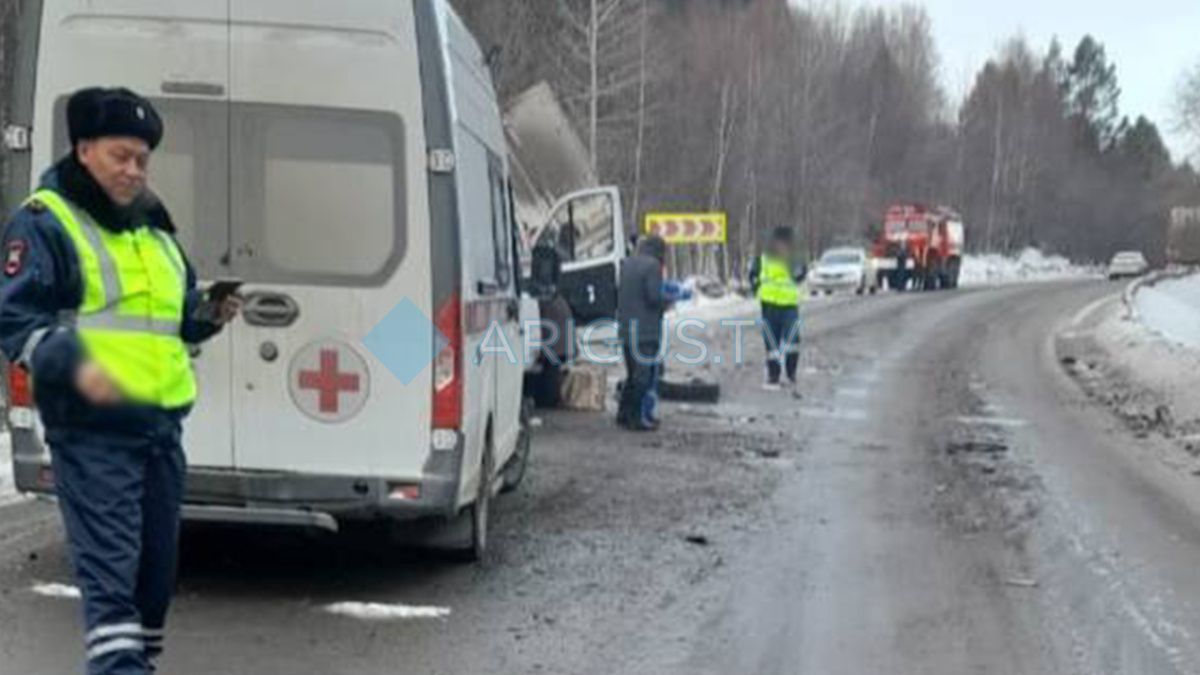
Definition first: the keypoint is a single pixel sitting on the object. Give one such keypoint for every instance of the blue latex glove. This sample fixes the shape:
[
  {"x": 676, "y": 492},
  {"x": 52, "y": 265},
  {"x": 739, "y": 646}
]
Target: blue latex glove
[{"x": 674, "y": 291}]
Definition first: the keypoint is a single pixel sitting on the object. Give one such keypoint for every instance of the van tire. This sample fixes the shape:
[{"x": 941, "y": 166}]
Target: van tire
[
  {"x": 463, "y": 538},
  {"x": 477, "y": 515},
  {"x": 518, "y": 464}
]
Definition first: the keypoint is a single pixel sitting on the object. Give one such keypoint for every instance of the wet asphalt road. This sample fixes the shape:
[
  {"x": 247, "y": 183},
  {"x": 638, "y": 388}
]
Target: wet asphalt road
[{"x": 942, "y": 500}]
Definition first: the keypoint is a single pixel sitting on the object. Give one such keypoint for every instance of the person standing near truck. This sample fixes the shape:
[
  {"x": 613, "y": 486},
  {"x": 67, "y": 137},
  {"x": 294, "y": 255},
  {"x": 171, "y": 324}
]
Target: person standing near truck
[
  {"x": 641, "y": 303},
  {"x": 98, "y": 305},
  {"x": 774, "y": 280}
]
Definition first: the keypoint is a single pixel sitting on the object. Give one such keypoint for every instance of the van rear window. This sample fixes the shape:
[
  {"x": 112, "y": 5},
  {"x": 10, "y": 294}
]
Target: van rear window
[
  {"x": 317, "y": 194},
  {"x": 284, "y": 194}
]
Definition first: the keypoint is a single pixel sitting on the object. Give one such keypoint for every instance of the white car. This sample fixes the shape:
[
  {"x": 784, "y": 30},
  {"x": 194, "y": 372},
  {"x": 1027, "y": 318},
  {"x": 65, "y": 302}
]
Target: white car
[
  {"x": 842, "y": 269},
  {"x": 1128, "y": 264}
]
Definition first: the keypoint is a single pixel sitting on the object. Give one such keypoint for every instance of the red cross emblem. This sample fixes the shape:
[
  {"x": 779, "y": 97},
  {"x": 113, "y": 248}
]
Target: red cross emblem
[{"x": 329, "y": 382}]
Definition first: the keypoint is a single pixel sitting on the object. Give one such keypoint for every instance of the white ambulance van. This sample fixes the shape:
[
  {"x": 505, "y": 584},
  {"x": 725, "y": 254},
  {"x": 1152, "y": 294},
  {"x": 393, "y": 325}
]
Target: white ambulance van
[{"x": 347, "y": 161}]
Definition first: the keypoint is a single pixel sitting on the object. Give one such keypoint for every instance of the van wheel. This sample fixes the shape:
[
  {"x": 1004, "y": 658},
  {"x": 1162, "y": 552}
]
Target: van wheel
[
  {"x": 514, "y": 470},
  {"x": 478, "y": 514}
]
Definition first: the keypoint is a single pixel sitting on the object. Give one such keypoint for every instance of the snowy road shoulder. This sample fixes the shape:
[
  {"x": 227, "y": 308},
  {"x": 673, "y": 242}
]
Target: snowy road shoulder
[
  {"x": 1147, "y": 380},
  {"x": 993, "y": 269},
  {"x": 1171, "y": 308}
]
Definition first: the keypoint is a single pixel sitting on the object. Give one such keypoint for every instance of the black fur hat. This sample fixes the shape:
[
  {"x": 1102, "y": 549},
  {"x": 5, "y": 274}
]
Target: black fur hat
[{"x": 96, "y": 112}]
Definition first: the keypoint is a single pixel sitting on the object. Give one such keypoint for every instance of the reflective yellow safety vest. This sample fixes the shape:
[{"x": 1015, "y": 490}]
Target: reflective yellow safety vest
[
  {"x": 776, "y": 286},
  {"x": 134, "y": 284}
]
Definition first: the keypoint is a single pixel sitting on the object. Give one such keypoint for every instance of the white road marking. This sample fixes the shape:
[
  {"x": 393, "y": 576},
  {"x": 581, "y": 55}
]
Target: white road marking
[
  {"x": 372, "y": 611},
  {"x": 57, "y": 590},
  {"x": 853, "y": 393},
  {"x": 1008, "y": 422}
]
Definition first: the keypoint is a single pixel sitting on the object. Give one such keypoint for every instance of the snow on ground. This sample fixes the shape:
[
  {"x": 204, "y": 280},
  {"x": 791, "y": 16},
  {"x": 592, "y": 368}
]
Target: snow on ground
[
  {"x": 1143, "y": 376},
  {"x": 57, "y": 590},
  {"x": 1171, "y": 308},
  {"x": 1031, "y": 265},
  {"x": 372, "y": 611},
  {"x": 707, "y": 308}
]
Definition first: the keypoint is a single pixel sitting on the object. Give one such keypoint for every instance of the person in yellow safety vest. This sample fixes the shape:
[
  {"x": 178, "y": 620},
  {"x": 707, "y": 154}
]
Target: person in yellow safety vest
[
  {"x": 98, "y": 305},
  {"x": 774, "y": 279}
]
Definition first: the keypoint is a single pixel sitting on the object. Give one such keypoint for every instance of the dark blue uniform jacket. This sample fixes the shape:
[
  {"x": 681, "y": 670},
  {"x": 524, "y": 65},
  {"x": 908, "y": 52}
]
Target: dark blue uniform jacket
[{"x": 41, "y": 279}]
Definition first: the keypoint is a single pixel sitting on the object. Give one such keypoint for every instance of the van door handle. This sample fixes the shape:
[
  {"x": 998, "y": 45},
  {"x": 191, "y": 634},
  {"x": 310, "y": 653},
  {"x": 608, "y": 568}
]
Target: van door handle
[
  {"x": 487, "y": 287},
  {"x": 271, "y": 310}
]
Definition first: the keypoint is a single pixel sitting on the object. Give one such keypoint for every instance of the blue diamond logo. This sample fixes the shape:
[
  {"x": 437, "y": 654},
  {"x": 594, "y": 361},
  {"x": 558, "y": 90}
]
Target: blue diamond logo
[{"x": 404, "y": 341}]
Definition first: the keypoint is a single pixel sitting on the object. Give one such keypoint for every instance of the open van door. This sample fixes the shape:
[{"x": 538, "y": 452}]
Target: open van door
[{"x": 588, "y": 230}]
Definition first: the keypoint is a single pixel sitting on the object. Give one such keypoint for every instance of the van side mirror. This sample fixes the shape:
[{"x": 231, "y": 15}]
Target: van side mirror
[{"x": 545, "y": 270}]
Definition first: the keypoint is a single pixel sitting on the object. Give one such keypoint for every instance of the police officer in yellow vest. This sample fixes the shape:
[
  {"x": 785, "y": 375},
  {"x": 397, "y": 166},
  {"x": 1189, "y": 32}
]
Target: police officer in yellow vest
[
  {"x": 773, "y": 277},
  {"x": 99, "y": 304}
]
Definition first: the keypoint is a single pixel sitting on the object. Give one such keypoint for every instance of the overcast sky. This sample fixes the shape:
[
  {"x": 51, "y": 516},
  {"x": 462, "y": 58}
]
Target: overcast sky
[{"x": 1151, "y": 41}]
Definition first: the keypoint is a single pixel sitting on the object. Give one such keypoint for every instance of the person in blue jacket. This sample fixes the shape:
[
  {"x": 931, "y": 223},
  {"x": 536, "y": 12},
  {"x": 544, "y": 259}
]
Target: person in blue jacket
[{"x": 98, "y": 303}]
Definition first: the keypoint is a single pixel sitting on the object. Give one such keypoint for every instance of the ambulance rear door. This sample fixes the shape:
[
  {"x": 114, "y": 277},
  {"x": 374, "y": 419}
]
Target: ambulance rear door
[
  {"x": 174, "y": 52},
  {"x": 331, "y": 234}
]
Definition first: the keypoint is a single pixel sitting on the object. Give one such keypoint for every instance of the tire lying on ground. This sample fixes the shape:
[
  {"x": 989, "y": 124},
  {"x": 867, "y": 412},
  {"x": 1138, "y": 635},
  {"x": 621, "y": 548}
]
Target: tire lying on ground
[{"x": 692, "y": 391}]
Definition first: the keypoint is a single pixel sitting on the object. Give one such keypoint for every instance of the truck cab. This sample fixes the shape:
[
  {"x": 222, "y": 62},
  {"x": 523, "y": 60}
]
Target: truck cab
[{"x": 921, "y": 246}]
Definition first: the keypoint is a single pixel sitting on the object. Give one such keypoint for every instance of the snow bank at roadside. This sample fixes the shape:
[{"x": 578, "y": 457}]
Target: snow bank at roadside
[
  {"x": 1148, "y": 381},
  {"x": 711, "y": 301},
  {"x": 708, "y": 309},
  {"x": 1171, "y": 308},
  {"x": 989, "y": 269}
]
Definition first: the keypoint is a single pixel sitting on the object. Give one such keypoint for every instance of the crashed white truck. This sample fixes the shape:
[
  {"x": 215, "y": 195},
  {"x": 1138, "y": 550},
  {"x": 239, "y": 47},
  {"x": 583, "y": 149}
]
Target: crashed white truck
[{"x": 579, "y": 235}]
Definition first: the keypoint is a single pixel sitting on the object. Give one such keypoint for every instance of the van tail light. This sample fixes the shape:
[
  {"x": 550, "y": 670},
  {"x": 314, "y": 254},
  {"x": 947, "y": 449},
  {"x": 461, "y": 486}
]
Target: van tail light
[
  {"x": 447, "y": 366},
  {"x": 20, "y": 393},
  {"x": 20, "y": 398}
]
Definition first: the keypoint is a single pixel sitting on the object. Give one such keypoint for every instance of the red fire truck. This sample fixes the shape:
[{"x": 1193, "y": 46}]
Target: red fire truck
[{"x": 920, "y": 247}]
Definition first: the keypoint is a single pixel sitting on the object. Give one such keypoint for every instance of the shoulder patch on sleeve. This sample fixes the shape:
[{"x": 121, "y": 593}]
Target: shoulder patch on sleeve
[{"x": 14, "y": 257}]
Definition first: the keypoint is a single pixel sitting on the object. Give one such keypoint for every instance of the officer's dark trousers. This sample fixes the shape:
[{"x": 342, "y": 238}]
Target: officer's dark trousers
[
  {"x": 120, "y": 503},
  {"x": 781, "y": 333}
]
